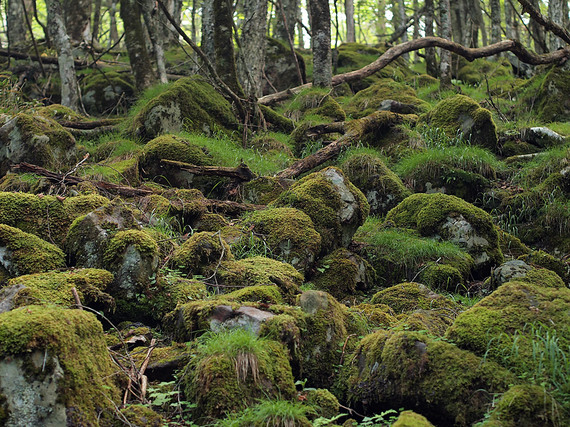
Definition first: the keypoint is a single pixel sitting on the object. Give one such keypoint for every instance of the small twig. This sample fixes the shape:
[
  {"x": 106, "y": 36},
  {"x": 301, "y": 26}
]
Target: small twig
[
  {"x": 501, "y": 115},
  {"x": 74, "y": 168},
  {"x": 344, "y": 347},
  {"x": 351, "y": 411},
  {"x": 76, "y": 298}
]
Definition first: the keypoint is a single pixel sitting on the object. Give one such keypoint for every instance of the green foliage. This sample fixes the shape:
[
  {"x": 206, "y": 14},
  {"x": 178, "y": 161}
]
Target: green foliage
[
  {"x": 275, "y": 413},
  {"x": 12, "y": 100},
  {"x": 233, "y": 343}
]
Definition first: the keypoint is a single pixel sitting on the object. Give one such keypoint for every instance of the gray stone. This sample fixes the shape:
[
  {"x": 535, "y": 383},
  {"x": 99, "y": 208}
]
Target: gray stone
[
  {"x": 250, "y": 318},
  {"x": 508, "y": 271}
]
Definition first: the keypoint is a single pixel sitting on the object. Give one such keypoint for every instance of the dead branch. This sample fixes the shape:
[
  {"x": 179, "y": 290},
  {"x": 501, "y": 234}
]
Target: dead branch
[
  {"x": 468, "y": 53},
  {"x": 551, "y": 26},
  {"x": 90, "y": 125},
  {"x": 241, "y": 173},
  {"x": 73, "y": 180},
  {"x": 91, "y": 133},
  {"x": 44, "y": 59}
]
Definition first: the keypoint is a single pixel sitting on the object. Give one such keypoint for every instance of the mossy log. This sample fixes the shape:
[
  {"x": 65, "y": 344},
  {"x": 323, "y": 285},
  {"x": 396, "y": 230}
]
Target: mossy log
[{"x": 241, "y": 173}]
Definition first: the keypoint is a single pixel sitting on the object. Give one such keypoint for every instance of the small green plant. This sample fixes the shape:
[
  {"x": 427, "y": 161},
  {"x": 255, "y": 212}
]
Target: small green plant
[
  {"x": 166, "y": 397},
  {"x": 384, "y": 419},
  {"x": 12, "y": 100},
  {"x": 276, "y": 413}
]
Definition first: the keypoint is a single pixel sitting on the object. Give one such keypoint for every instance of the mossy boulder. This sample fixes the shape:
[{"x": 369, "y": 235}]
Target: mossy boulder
[
  {"x": 443, "y": 277},
  {"x": 89, "y": 235},
  {"x": 101, "y": 92},
  {"x": 232, "y": 370},
  {"x": 60, "y": 113},
  {"x": 462, "y": 114},
  {"x": 448, "y": 385},
  {"x": 56, "y": 288},
  {"x": 375, "y": 98},
  {"x": 343, "y": 274},
  {"x": 542, "y": 259},
  {"x": 410, "y": 296},
  {"x": 454, "y": 220},
  {"x": 379, "y": 316},
  {"x": 432, "y": 321},
  {"x": 23, "y": 253},
  {"x": 411, "y": 419},
  {"x": 55, "y": 368},
  {"x": 545, "y": 95},
  {"x": 171, "y": 147},
  {"x": 315, "y": 102},
  {"x": 335, "y": 205},
  {"x": 35, "y": 139},
  {"x": 280, "y": 67},
  {"x": 190, "y": 104},
  {"x": 289, "y": 233},
  {"x": 325, "y": 403},
  {"x": 475, "y": 72},
  {"x": 382, "y": 187},
  {"x": 140, "y": 415},
  {"x": 201, "y": 253},
  {"x": 263, "y": 190},
  {"x": 46, "y": 216}
]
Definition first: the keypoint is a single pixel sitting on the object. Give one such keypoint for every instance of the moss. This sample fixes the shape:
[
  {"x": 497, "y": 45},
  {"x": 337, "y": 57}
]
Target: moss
[
  {"x": 211, "y": 222},
  {"x": 319, "y": 196},
  {"x": 315, "y": 101},
  {"x": 511, "y": 245},
  {"x": 276, "y": 121},
  {"x": 375, "y": 315},
  {"x": 117, "y": 171},
  {"x": 24, "y": 182},
  {"x": 382, "y": 187},
  {"x": 289, "y": 233},
  {"x": 442, "y": 277},
  {"x": 45, "y": 216},
  {"x": 200, "y": 253},
  {"x": 222, "y": 383},
  {"x": 142, "y": 242},
  {"x": 190, "y": 203},
  {"x": 411, "y": 296},
  {"x": 473, "y": 73},
  {"x": 448, "y": 385},
  {"x": 263, "y": 190},
  {"x": 140, "y": 415},
  {"x": 343, "y": 273},
  {"x": 268, "y": 144},
  {"x": 461, "y": 114},
  {"x": 411, "y": 419},
  {"x": 428, "y": 212},
  {"x": 27, "y": 254},
  {"x": 324, "y": 402},
  {"x": 433, "y": 322},
  {"x": 102, "y": 93},
  {"x": 60, "y": 113},
  {"x": 267, "y": 294},
  {"x": 369, "y": 100},
  {"x": 55, "y": 288},
  {"x": 545, "y": 260},
  {"x": 74, "y": 338},
  {"x": 155, "y": 206},
  {"x": 190, "y": 104},
  {"x": 527, "y": 405},
  {"x": 544, "y": 96},
  {"x": 259, "y": 270}
]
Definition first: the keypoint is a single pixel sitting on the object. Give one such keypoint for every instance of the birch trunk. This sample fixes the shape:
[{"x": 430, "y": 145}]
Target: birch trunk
[
  {"x": 350, "y": 28},
  {"x": 78, "y": 20},
  {"x": 16, "y": 23},
  {"x": 431, "y": 61},
  {"x": 225, "y": 63},
  {"x": 207, "y": 43},
  {"x": 150, "y": 16},
  {"x": 253, "y": 39},
  {"x": 321, "y": 38},
  {"x": 496, "y": 30},
  {"x": 290, "y": 10},
  {"x": 556, "y": 15},
  {"x": 445, "y": 56}
]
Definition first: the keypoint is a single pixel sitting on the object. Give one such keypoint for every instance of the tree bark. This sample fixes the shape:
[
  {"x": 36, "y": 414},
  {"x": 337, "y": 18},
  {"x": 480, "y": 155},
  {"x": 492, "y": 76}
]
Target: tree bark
[
  {"x": 253, "y": 46},
  {"x": 285, "y": 27},
  {"x": 350, "y": 28},
  {"x": 496, "y": 30},
  {"x": 225, "y": 62},
  {"x": 134, "y": 39},
  {"x": 431, "y": 61},
  {"x": 78, "y": 20},
  {"x": 509, "y": 24},
  {"x": 241, "y": 173},
  {"x": 166, "y": 31},
  {"x": 321, "y": 38},
  {"x": 151, "y": 21},
  {"x": 445, "y": 56},
  {"x": 96, "y": 22},
  {"x": 380, "y": 20},
  {"x": 16, "y": 24},
  {"x": 207, "y": 43},
  {"x": 70, "y": 92},
  {"x": 536, "y": 28},
  {"x": 113, "y": 32}
]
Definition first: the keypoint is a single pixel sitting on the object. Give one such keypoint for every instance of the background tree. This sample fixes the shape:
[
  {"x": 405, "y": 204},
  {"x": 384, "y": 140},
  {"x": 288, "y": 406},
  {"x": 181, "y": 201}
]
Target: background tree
[
  {"x": 445, "y": 32},
  {"x": 78, "y": 20},
  {"x": 430, "y": 57},
  {"x": 224, "y": 56},
  {"x": 285, "y": 24},
  {"x": 253, "y": 46},
  {"x": 150, "y": 15},
  {"x": 16, "y": 23},
  {"x": 321, "y": 39},
  {"x": 350, "y": 27}
]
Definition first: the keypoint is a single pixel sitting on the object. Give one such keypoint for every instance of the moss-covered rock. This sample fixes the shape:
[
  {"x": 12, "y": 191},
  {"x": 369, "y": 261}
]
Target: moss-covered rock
[
  {"x": 454, "y": 220},
  {"x": 45, "y": 216},
  {"x": 280, "y": 67},
  {"x": 461, "y": 114},
  {"x": 450, "y": 386},
  {"x": 343, "y": 273},
  {"x": 201, "y": 253},
  {"x": 59, "y": 113},
  {"x": 101, "y": 92},
  {"x": 545, "y": 95},
  {"x": 434, "y": 322},
  {"x": 376, "y": 315},
  {"x": 382, "y": 187},
  {"x": 55, "y": 367},
  {"x": 475, "y": 72},
  {"x": 335, "y": 205},
  {"x": 35, "y": 139},
  {"x": 411, "y": 419},
  {"x": 315, "y": 101},
  {"x": 407, "y": 297},
  {"x": 140, "y": 415},
  {"x": 56, "y": 288},
  {"x": 22, "y": 253},
  {"x": 323, "y": 401},
  {"x": 276, "y": 121},
  {"x": 289, "y": 233},
  {"x": 371, "y": 99},
  {"x": 190, "y": 104},
  {"x": 266, "y": 294},
  {"x": 542, "y": 259},
  {"x": 443, "y": 277},
  {"x": 263, "y": 190},
  {"x": 232, "y": 370}
]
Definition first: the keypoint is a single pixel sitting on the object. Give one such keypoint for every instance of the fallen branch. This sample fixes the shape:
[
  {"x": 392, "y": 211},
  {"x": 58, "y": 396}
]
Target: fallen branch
[
  {"x": 91, "y": 133},
  {"x": 90, "y": 125},
  {"x": 241, "y": 173},
  {"x": 468, "y": 53},
  {"x": 73, "y": 180},
  {"x": 551, "y": 26},
  {"x": 44, "y": 59}
]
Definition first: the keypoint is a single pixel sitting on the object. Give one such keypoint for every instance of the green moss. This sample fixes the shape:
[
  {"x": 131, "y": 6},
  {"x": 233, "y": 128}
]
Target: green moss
[
  {"x": 142, "y": 242},
  {"x": 102, "y": 92},
  {"x": 545, "y": 260},
  {"x": 375, "y": 315},
  {"x": 433, "y": 321},
  {"x": 211, "y": 222},
  {"x": 411, "y": 419},
  {"x": 445, "y": 383},
  {"x": 544, "y": 96},
  {"x": 315, "y": 101},
  {"x": 368, "y": 100},
  {"x": 511, "y": 245},
  {"x": 276, "y": 121},
  {"x": 140, "y": 415},
  {"x": 233, "y": 369},
  {"x": 319, "y": 196},
  {"x": 59, "y": 112},
  {"x": 262, "y": 190},
  {"x": 473, "y": 73},
  {"x": 200, "y": 253},
  {"x": 267, "y": 294},
  {"x": 45, "y": 216},
  {"x": 75, "y": 338},
  {"x": 289, "y": 233},
  {"x": 442, "y": 277},
  {"x": 411, "y": 296},
  {"x": 267, "y": 144},
  {"x": 324, "y": 402},
  {"x": 190, "y": 104},
  {"x": 55, "y": 288},
  {"x": 28, "y": 254},
  {"x": 461, "y": 114}
]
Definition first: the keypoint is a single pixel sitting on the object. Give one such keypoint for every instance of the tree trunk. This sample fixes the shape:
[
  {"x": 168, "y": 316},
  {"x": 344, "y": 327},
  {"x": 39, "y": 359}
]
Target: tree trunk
[
  {"x": 78, "y": 20},
  {"x": 225, "y": 62},
  {"x": 321, "y": 38},
  {"x": 445, "y": 56},
  {"x": 557, "y": 15},
  {"x": 282, "y": 30},
  {"x": 167, "y": 32},
  {"x": 381, "y": 20},
  {"x": 16, "y": 22},
  {"x": 113, "y": 32},
  {"x": 431, "y": 61},
  {"x": 509, "y": 24},
  {"x": 416, "y": 34},
  {"x": 496, "y": 30},
  {"x": 350, "y": 29},
  {"x": 253, "y": 46},
  {"x": 207, "y": 42},
  {"x": 96, "y": 22},
  {"x": 70, "y": 93},
  {"x": 537, "y": 30},
  {"x": 151, "y": 17},
  {"x": 136, "y": 47}
]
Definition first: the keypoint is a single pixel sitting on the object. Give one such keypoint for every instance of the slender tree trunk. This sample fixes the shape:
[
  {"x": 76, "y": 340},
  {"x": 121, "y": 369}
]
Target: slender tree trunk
[
  {"x": 70, "y": 93},
  {"x": 113, "y": 32},
  {"x": 445, "y": 56},
  {"x": 509, "y": 29},
  {"x": 290, "y": 10},
  {"x": 480, "y": 25},
  {"x": 403, "y": 19},
  {"x": 321, "y": 38},
  {"x": 381, "y": 20},
  {"x": 16, "y": 23},
  {"x": 416, "y": 34},
  {"x": 78, "y": 20},
  {"x": 350, "y": 29},
  {"x": 431, "y": 61},
  {"x": 96, "y": 22},
  {"x": 151, "y": 16},
  {"x": 496, "y": 30},
  {"x": 253, "y": 46},
  {"x": 537, "y": 30},
  {"x": 134, "y": 39},
  {"x": 207, "y": 43},
  {"x": 167, "y": 32},
  {"x": 225, "y": 62},
  {"x": 556, "y": 15}
]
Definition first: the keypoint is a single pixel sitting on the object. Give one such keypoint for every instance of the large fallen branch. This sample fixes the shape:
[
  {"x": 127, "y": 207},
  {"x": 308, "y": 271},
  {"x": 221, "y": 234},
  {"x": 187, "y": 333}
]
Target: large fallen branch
[
  {"x": 241, "y": 173},
  {"x": 45, "y": 59},
  {"x": 468, "y": 53}
]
